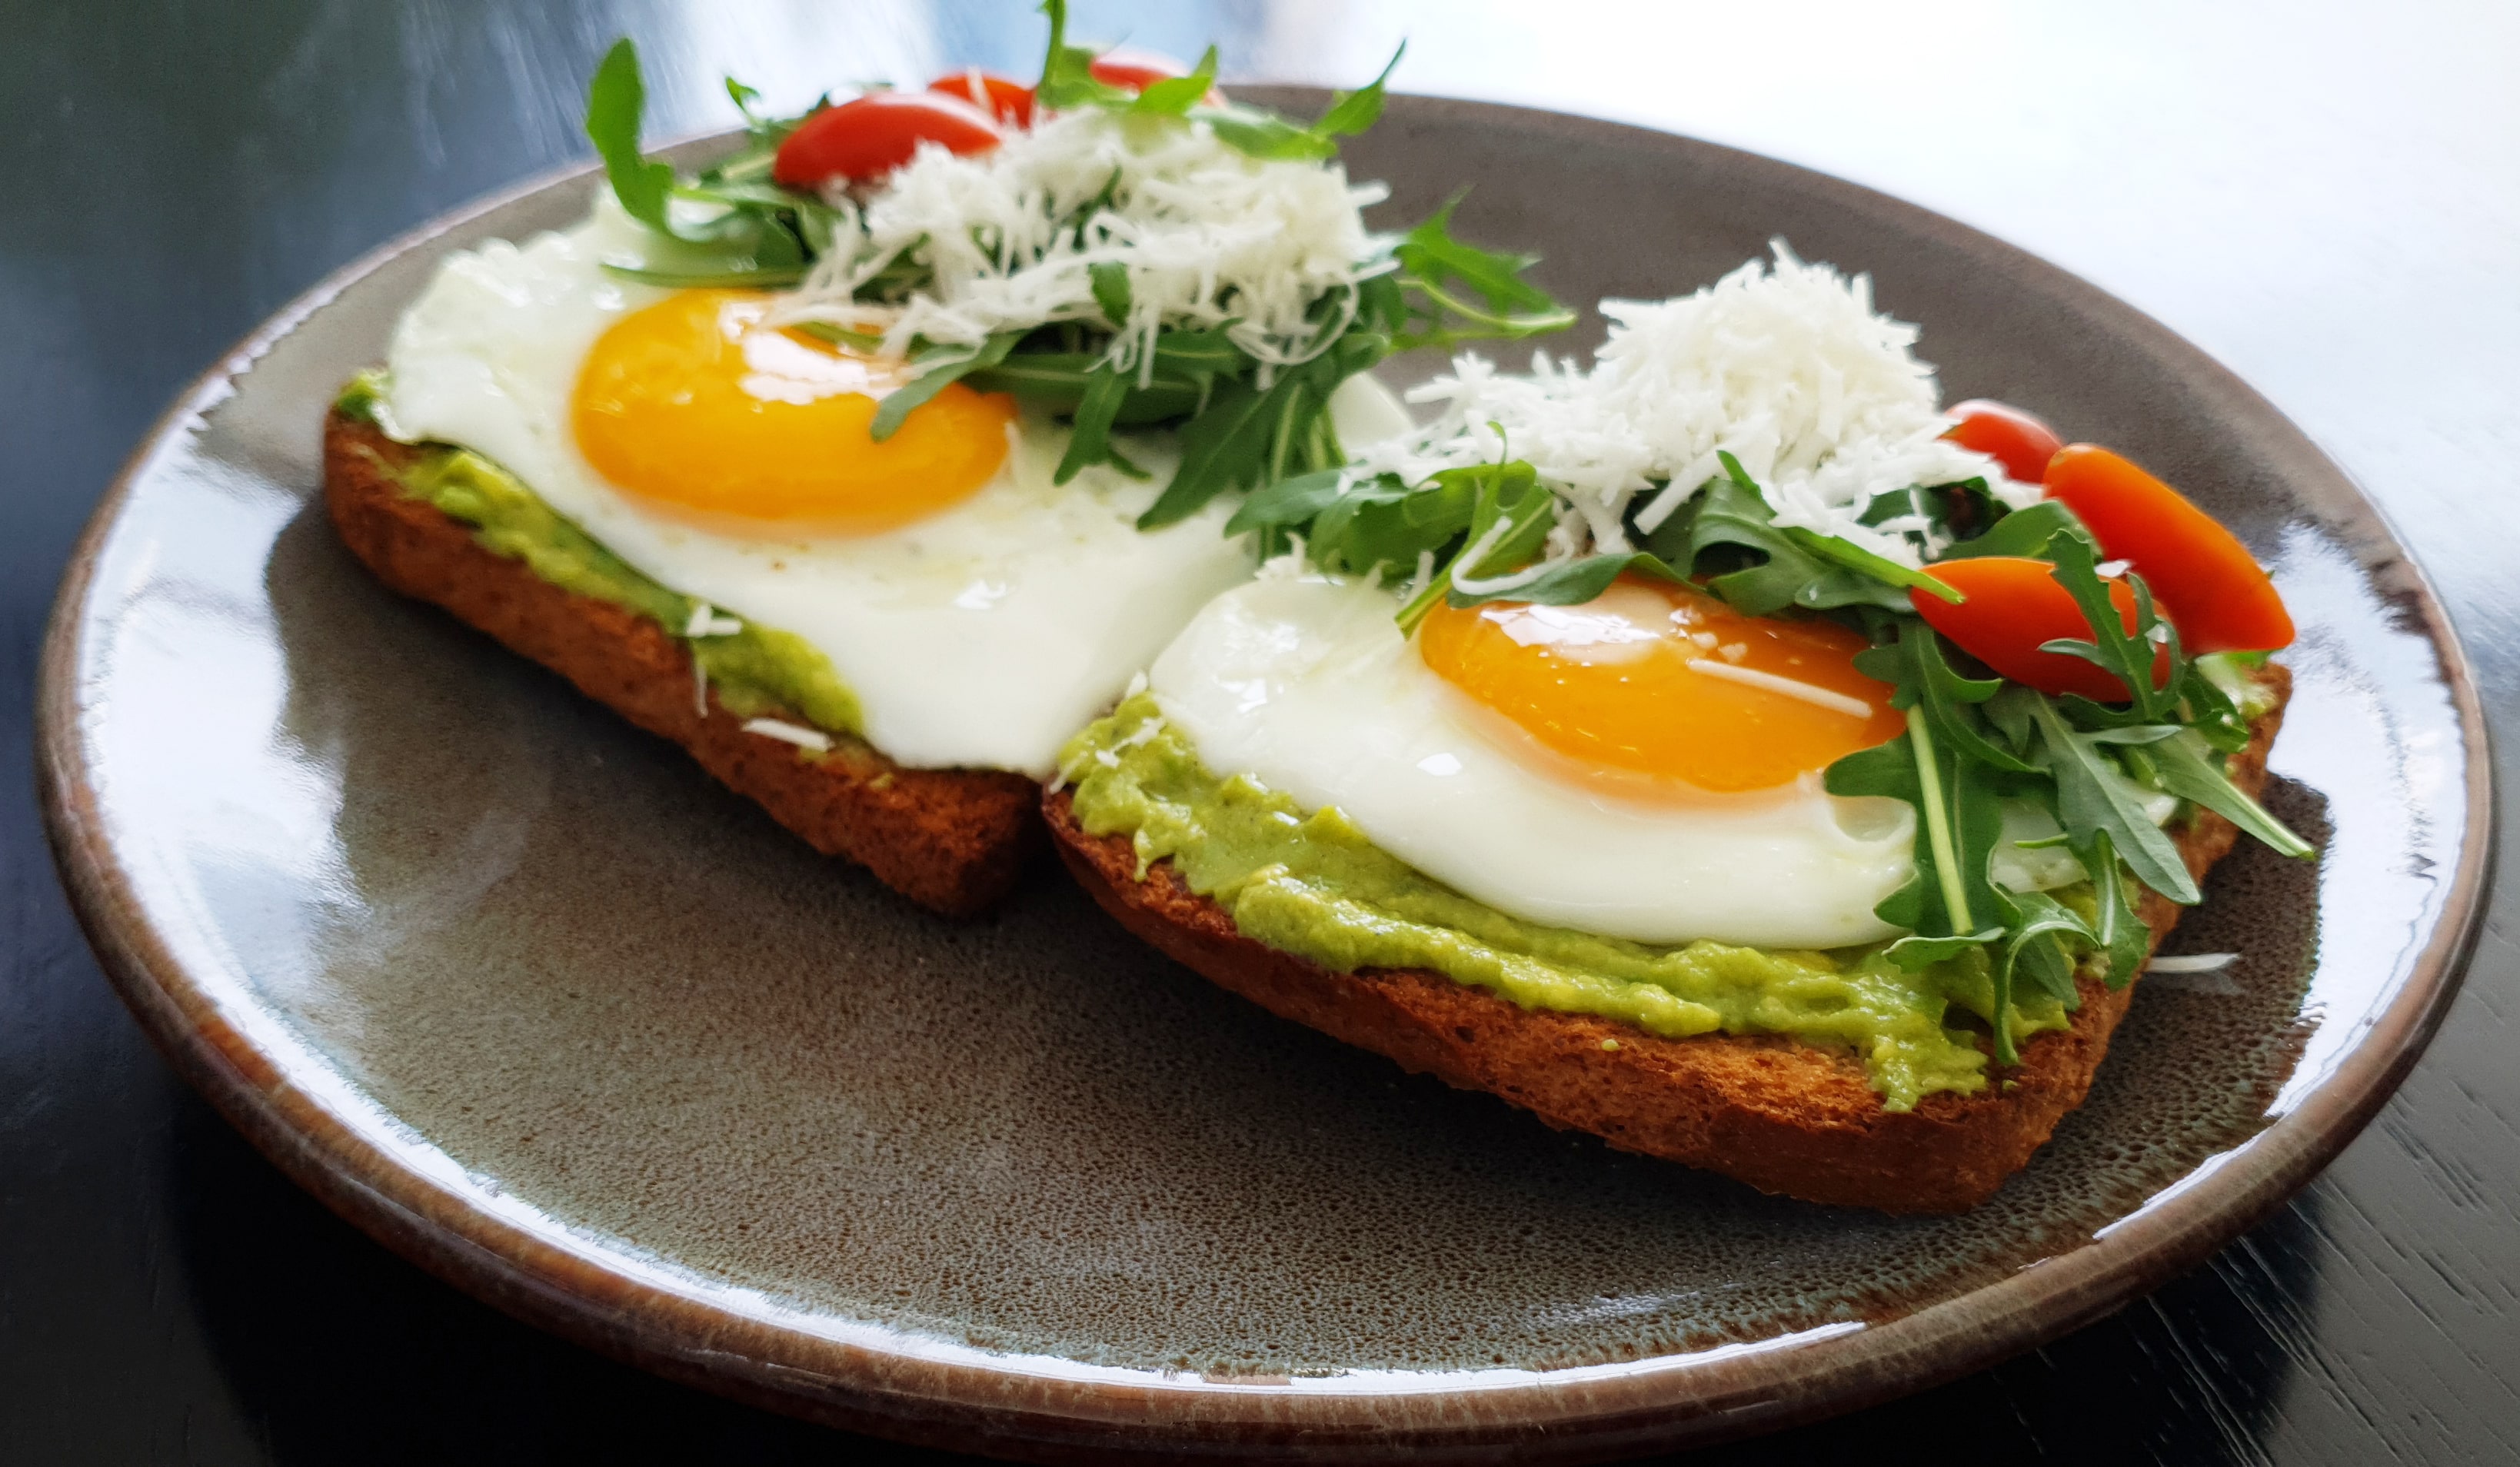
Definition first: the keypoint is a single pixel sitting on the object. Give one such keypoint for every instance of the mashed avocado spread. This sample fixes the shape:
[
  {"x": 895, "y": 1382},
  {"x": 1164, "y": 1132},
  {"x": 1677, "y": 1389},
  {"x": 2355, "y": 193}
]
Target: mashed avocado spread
[
  {"x": 1310, "y": 884},
  {"x": 757, "y": 672}
]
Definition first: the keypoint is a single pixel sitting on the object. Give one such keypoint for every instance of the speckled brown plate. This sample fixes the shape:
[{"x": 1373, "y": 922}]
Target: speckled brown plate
[{"x": 522, "y": 993}]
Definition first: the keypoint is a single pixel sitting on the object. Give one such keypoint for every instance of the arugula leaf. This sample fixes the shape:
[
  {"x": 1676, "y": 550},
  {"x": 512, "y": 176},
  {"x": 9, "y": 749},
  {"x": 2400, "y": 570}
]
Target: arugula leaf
[
  {"x": 1367, "y": 524},
  {"x": 1289, "y": 502},
  {"x": 1187, "y": 364},
  {"x": 2211, "y": 711},
  {"x": 1753, "y": 518},
  {"x": 1210, "y": 352},
  {"x": 1175, "y": 96},
  {"x": 1376, "y": 522},
  {"x": 1949, "y": 904},
  {"x": 1353, "y": 112},
  {"x": 2135, "y": 657},
  {"x": 1068, "y": 81},
  {"x": 1067, "y": 78},
  {"x": 742, "y": 275},
  {"x": 1510, "y": 515},
  {"x": 2043, "y": 938},
  {"x": 615, "y": 102},
  {"x": 1857, "y": 559},
  {"x": 2117, "y": 932},
  {"x": 1220, "y": 447},
  {"x": 2189, "y": 771},
  {"x": 756, "y": 240},
  {"x": 1572, "y": 583},
  {"x": 1733, "y": 512},
  {"x": 1246, "y": 435},
  {"x": 2092, "y": 798},
  {"x": 1914, "y": 665},
  {"x": 1111, "y": 291},
  {"x": 2023, "y": 532},
  {"x": 1089, "y": 440},
  {"x": 941, "y": 368},
  {"x": 1440, "y": 268},
  {"x": 1261, "y": 134},
  {"x": 839, "y": 336},
  {"x": 1429, "y": 252},
  {"x": 2009, "y": 712}
]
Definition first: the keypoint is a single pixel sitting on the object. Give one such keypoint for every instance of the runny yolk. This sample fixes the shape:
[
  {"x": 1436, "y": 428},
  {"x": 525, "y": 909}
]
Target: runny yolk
[
  {"x": 698, "y": 408},
  {"x": 1667, "y": 683}
]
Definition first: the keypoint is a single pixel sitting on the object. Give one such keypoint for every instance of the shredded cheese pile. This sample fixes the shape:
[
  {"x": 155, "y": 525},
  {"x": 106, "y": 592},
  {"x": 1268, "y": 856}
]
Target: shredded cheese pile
[
  {"x": 1787, "y": 367},
  {"x": 1211, "y": 238}
]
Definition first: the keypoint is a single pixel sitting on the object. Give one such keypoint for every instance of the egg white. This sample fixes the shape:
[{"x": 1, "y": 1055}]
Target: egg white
[
  {"x": 1306, "y": 683},
  {"x": 982, "y": 636}
]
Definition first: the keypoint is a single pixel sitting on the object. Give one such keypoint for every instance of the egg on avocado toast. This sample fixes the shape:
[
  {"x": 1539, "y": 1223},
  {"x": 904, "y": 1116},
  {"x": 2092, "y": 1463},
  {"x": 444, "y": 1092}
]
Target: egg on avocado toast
[
  {"x": 870, "y": 461},
  {"x": 1719, "y": 748}
]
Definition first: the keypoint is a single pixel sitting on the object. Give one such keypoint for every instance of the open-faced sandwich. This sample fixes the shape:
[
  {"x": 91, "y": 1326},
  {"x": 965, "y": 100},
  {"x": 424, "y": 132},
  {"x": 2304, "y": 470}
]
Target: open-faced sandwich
[
  {"x": 870, "y": 461},
  {"x": 1719, "y": 748}
]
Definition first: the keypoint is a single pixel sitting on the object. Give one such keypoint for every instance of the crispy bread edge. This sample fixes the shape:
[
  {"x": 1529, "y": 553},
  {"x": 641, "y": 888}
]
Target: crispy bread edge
[
  {"x": 1784, "y": 1117},
  {"x": 951, "y": 840}
]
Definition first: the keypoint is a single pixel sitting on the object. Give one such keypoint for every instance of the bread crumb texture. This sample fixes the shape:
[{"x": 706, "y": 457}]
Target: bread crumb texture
[
  {"x": 951, "y": 840},
  {"x": 1784, "y": 1116}
]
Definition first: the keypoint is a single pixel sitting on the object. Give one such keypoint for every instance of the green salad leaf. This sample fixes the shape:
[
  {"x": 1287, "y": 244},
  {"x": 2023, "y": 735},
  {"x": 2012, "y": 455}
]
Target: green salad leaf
[{"x": 615, "y": 102}]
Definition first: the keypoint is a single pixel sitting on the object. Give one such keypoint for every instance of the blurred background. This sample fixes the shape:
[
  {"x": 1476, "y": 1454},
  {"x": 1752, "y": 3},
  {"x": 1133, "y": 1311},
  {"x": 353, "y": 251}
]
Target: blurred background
[{"x": 2324, "y": 196}]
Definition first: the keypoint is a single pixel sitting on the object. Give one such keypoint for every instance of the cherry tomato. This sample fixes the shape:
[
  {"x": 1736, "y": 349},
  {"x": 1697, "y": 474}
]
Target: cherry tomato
[
  {"x": 1009, "y": 102},
  {"x": 2014, "y": 605},
  {"x": 2010, "y": 436},
  {"x": 867, "y": 137},
  {"x": 2204, "y": 578},
  {"x": 1137, "y": 71}
]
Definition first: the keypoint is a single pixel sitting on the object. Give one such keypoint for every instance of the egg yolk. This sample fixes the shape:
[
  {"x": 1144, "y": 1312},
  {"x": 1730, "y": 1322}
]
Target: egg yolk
[
  {"x": 698, "y": 408},
  {"x": 1667, "y": 683}
]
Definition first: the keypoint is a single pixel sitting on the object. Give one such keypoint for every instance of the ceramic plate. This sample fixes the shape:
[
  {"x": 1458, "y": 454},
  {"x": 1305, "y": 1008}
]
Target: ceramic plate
[{"x": 521, "y": 993}]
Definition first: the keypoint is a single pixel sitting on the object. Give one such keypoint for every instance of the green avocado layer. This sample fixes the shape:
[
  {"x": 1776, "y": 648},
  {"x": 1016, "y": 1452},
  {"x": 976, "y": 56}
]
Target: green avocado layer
[
  {"x": 1310, "y": 884},
  {"x": 755, "y": 671}
]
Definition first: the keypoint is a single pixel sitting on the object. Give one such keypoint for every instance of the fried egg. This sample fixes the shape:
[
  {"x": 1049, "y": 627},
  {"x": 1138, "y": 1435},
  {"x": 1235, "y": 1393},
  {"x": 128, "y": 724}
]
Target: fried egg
[
  {"x": 981, "y": 613},
  {"x": 1579, "y": 767},
  {"x": 1645, "y": 766}
]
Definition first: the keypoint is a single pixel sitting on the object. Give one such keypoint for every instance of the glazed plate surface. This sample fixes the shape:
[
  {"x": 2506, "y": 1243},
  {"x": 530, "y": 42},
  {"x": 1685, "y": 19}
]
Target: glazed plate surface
[{"x": 520, "y": 992}]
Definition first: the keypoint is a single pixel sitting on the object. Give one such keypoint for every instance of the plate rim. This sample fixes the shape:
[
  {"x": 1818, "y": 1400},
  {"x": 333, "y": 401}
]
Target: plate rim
[{"x": 950, "y": 1395}]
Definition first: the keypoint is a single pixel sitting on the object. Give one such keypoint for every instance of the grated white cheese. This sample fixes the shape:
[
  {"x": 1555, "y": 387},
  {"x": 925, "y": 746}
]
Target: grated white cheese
[
  {"x": 2192, "y": 963},
  {"x": 705, "y": 622},
  {"x": 1425, "y": 575},
  {"x": 788, "y": 732},
  {"x": 1818, "y": 698},
  {"x": 1787, "y": 367},
  {"x": 1212, "y": 237}
]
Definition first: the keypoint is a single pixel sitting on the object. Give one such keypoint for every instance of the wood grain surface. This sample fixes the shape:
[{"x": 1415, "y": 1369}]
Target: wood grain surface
[{"x": 2324, "y": 195}]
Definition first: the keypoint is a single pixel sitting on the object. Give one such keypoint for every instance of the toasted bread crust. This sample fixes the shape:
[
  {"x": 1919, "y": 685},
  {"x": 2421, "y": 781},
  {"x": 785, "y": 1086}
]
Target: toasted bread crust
[
  {"x": 1783, "y": 1116},
  {"x": 951, "y": 840}
]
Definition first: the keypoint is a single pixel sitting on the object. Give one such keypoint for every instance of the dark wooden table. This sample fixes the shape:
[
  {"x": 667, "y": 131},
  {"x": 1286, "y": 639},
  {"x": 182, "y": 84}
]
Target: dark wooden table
[{"x": 2326, "y": 195}]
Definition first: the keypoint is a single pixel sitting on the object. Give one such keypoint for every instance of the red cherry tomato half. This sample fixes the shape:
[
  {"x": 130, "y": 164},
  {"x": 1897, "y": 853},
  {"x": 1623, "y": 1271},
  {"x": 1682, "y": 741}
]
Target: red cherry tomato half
[
  {"x": 1137, "y": 71},
  {"x": 1009, "y": 102},
  {"x": 2010, "y": 436},
  {"x": 2013, "y": 605},
  {"x": 870, "y": 136},
  {"x": 2209, "y": 585}
]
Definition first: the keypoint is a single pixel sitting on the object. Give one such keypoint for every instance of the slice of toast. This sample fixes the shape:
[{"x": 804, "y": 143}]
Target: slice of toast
[
  {"x": 1781, "y": 1115},
  {"x": 952, "y": 841}
]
